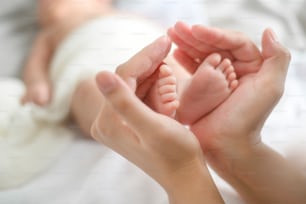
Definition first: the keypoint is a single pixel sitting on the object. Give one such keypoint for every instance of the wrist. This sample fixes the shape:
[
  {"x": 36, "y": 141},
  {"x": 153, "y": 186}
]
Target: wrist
[
  {"x": 227, "y": 157},
  {"x": 227, "y": 148},
  {"x": 261, "y": 175},
  {"x": 193, "y": 185}
]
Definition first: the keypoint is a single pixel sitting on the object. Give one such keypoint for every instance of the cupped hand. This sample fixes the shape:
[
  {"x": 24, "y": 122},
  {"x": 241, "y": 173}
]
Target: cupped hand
[
  {"x": 134, "y": 130},
  {"x": 238, "y": 121},
  {"x": 157, "y": 144}
]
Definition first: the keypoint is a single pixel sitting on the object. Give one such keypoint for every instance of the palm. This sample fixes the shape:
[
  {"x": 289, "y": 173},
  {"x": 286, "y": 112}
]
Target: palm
[
  {"x": 241, "y": 116},
  {"x": 214, "y": 128},
  {"x": 164, "y": 142}
]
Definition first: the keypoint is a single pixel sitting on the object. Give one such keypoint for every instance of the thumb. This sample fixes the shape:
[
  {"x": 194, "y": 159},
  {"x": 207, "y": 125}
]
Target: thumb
[
  {"x": 272, "y": 75},
  {"x": 276, "y": 57},
  {"x": 117, "y": 93},
  {"x": 145, "y": 62}
]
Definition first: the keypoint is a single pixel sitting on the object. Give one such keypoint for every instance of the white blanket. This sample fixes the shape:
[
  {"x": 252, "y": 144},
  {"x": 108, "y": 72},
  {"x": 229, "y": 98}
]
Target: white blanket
[{"x": 87, "y": 172}]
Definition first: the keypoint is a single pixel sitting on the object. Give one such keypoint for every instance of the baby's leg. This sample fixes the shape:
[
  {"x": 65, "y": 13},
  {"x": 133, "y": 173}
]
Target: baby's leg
[
  {"x": 212, "y": 83},
  {"x": 163, "y": 95},
  {"x": 86, "y": 103},
  {"x": 87, "y": 99}
]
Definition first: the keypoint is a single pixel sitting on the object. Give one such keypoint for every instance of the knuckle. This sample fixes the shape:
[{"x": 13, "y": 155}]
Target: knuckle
[
  {"x": 284, "y": 54},
  {"x": 242, "y": 36},
  {"x": 124, "y": 106},
  {"x": 287, "y": 54},
  {"x": 120, "y": 70}
]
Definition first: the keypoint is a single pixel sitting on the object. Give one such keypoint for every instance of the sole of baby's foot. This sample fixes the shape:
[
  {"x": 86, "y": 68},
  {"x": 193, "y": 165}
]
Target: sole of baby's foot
[
  {"x": 212, "y": 83},
  {"x": 165, "y": 99}
]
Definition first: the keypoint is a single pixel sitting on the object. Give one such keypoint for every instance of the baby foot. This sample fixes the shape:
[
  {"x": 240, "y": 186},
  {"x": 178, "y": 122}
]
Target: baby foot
[
  {"x": 163, "y": 96},
  {"x": 212, "y": 83}
]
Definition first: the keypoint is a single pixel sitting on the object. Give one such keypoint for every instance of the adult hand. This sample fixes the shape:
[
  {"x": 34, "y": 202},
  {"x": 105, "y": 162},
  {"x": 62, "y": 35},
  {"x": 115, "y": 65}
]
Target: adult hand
[
  {"x": 230, "y": 135},
  {"x": 197, "y": 42},
  {"x": 247, "y": 108},
  {"x": 159, "y": 145},
  {"x": 241, "y": 117}
]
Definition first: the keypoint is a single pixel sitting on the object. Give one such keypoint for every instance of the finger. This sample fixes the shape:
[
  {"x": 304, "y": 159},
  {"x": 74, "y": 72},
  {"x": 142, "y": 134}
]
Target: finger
[
  {"x": 137, "y": 115},
  {"x": 185, "y": 33},
  {"x": 144, "y": 63},
  {"x": 185, "y": 46},
  {"x": 186, "y": 61},
  {"x": 142, "y": 88},
  {"x": 240, "y": 46},
  {"x": 276, "y": 61}
]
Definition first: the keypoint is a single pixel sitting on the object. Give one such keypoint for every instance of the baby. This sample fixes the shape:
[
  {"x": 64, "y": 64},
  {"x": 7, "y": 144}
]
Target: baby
[
  {"x": 57, "y": 19},
  {"x": 79, "y": 38}
]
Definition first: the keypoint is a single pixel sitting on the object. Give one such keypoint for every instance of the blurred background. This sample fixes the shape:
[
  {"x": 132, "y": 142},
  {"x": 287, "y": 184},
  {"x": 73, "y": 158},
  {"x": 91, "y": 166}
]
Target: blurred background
[
  {"x": 18, "y": 21},
  {"x": 75, "y": 177}
]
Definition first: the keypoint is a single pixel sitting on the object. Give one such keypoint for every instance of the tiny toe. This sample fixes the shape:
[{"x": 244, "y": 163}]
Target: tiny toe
[
  {"x": 165, "y": 98},
  {"x": 170, "y": 108},
  {"x": 212, "y": 60},
  {"x": 170, "y": 80},
  {"x": 229, "y": 70},
  {"x": 167, "y": 89},
  {"x": 232, "y": 76},
  {"x": 224, "y": 65},
  {"x": 165, "y": 71},
  {"x": 234, "y": 84}
]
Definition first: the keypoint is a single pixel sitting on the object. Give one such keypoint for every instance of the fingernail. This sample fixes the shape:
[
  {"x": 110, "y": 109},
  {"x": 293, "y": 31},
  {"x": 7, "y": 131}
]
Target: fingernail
[
  {"x": 273, "y": 36},
  {"x": 107, "y": 83}
]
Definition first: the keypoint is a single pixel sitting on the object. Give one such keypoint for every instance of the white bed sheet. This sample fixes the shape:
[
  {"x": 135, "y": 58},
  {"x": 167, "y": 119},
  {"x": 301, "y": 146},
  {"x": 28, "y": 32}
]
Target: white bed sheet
[{"x": 88, "y": 172}]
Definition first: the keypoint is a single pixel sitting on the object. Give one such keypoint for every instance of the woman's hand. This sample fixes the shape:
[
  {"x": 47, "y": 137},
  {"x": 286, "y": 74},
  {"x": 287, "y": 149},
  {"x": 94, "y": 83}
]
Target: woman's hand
[
  {"x": 241, "y": 117},
  {"x": 230, "y": 135},
  {"x": 159, "y": 145}
]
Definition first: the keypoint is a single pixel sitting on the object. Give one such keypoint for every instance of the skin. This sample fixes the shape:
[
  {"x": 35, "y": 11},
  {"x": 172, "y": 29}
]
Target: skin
[
  {"x": 224, "y": 147},
  {"x": 229, "y": 138},
  {"x": 197, "y": 42},
  {"x": 57, "y": 19},
  {"x": 178, "y": 164},
  {"x": 233, "y": 145}
]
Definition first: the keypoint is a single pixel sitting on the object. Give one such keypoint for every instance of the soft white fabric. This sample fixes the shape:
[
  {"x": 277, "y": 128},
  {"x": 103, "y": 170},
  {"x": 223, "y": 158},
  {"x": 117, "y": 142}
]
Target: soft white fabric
[
  {"x": 87, "y": 172},
  {"x": 101, "y": 44},
  {"x": 27, "y": 145}
]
